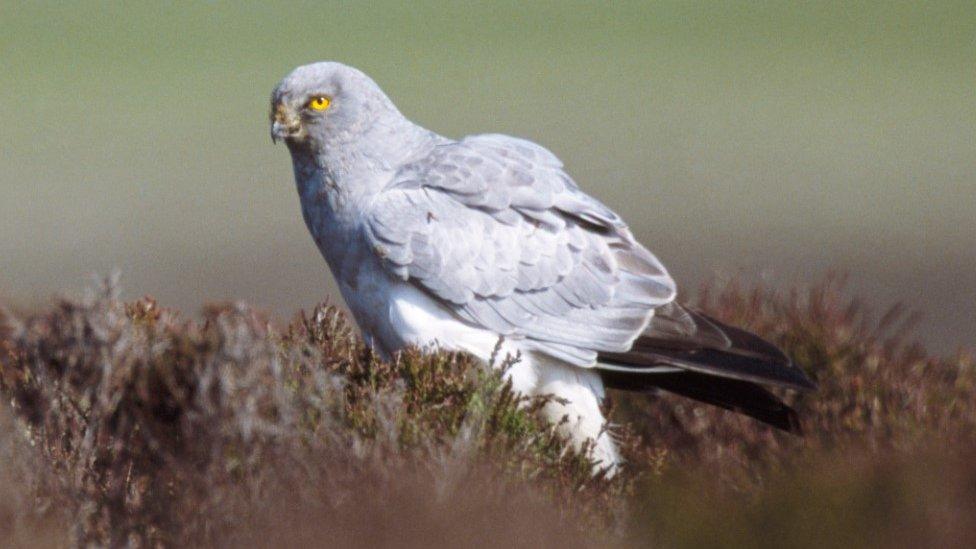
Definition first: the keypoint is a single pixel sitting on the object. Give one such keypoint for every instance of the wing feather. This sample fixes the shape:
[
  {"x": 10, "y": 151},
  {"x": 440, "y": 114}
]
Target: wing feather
[
  {"x": 494, "y": 228},
  {"x": 695, "y": 342}
]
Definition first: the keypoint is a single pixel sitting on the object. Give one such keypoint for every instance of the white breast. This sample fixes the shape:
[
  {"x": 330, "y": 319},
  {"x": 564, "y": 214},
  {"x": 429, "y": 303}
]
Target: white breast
[{"x": 417, "y": 319}]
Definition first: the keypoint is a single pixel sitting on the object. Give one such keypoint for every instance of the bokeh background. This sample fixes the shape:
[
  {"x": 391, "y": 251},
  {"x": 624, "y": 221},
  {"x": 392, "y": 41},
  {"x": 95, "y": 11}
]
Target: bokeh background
[{"x": 771, "y": 140}]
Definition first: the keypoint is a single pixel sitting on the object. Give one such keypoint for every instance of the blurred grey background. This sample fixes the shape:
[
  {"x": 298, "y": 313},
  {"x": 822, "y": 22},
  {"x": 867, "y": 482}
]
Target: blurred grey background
[{"x": 771, "y": 141}]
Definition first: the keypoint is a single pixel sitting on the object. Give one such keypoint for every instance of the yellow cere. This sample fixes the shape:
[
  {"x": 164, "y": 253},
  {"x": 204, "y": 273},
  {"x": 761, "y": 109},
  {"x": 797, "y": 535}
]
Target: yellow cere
[{"x": 319, "y": 103}]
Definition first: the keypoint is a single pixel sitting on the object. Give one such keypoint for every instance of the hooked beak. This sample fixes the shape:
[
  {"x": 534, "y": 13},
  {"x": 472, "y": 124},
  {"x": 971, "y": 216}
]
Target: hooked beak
[{"x": 285, "y": 123}]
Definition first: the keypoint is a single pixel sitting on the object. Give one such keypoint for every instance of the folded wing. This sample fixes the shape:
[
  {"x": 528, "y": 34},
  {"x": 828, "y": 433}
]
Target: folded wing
[
  {"x": 497, "y": 232},
  {"x": 495, "y": 229}
]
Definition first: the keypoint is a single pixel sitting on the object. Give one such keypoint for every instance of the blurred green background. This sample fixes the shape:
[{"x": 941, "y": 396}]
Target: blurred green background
[{"x": 776, "y": 140}]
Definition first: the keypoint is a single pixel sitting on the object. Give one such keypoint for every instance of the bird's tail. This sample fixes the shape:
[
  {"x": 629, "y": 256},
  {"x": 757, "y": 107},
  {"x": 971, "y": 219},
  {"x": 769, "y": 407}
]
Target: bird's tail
[{"x": 693, "y": 355}]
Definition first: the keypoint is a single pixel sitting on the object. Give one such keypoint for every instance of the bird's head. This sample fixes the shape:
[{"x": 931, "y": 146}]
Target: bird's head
[{"x": 325, "y": 104}]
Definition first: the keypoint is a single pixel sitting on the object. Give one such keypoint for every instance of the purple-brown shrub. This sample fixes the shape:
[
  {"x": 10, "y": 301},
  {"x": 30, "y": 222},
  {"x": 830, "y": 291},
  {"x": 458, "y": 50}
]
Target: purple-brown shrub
[{"x": 133, "y": 426}]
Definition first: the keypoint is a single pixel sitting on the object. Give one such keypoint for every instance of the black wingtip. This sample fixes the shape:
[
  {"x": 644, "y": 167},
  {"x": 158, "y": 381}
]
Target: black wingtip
[
  {"x": 692, "y": 340},
  {"x": 806, "y": 384},
  {"x": 694, "y": 355},
  {"x": 648, "y": 354},
  {"x": 739, "y": 396},
  {"x": 792, "y": 423}
]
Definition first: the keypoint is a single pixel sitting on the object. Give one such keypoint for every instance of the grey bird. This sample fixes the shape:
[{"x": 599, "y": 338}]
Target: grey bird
[{"x": 486, "y": 243}]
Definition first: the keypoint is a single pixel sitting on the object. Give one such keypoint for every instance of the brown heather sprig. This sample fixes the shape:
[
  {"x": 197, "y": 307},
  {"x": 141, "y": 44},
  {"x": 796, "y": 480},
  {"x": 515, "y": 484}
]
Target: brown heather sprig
[
  {"x": 137, "y": 427},
  {"x": 160, "y": 430}
]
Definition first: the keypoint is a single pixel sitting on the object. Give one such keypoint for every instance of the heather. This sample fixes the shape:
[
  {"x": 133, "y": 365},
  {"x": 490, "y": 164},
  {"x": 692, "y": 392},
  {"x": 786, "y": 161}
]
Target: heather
[{"x": 131, "y": 424}]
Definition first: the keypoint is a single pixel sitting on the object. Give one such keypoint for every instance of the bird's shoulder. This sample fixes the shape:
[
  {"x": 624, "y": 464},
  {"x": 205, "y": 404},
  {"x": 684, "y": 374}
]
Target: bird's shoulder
[
  {"x": 508, "y": 177},
  {"x": 492, "y": 214},
  {"x": 496, "y": 231}
]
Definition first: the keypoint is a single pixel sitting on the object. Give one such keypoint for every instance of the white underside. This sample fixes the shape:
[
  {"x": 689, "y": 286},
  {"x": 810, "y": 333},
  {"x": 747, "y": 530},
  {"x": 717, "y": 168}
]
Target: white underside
[{"x": 416, "y": 319}]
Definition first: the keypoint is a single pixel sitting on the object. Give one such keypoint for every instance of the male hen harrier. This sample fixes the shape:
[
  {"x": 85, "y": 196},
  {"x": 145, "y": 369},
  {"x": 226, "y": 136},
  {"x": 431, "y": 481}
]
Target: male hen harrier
[{"x": 465, "y": 244}]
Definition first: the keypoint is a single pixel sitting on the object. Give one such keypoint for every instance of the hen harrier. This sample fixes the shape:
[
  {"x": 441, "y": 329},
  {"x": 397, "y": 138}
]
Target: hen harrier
[{"x": 469, "y": 244}]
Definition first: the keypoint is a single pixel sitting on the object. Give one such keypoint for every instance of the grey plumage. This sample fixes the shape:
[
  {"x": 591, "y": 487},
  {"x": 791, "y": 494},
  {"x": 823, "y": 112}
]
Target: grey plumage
[
  {"x": 459, "y": 243},
  {"x": 493, "y": 226}
]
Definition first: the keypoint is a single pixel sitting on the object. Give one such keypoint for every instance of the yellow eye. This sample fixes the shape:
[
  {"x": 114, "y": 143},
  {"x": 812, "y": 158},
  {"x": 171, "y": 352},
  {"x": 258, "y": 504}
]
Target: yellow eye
[{"x": 319, "y": 103}]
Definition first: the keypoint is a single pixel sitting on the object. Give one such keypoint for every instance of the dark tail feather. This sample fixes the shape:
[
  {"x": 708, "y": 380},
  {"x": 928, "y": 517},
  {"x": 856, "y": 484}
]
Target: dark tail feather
[
  {"x": 691, "y": 354},
  {"x": 693, "y": 341},
  {"x": 732, "y": 394}
]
